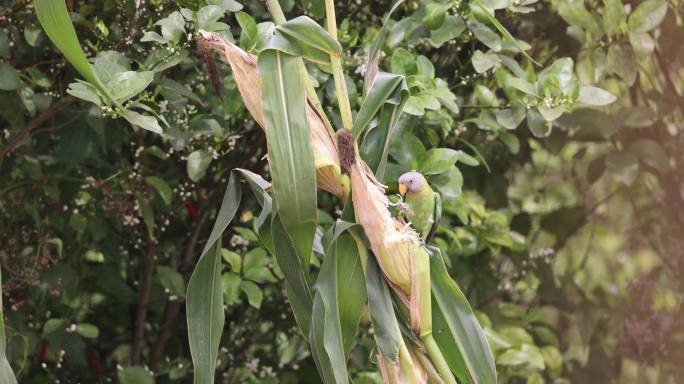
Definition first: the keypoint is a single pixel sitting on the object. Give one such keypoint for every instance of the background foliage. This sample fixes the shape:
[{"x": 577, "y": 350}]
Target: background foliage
[{"x": 562, "y": 221}]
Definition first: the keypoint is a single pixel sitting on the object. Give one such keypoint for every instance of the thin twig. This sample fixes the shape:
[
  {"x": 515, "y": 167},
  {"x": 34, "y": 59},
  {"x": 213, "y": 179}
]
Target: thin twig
[{"x": 35, "y": 123}]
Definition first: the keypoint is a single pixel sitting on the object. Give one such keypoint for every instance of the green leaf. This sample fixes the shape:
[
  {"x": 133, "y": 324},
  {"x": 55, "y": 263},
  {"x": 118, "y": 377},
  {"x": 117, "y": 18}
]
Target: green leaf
[
  {"x": 595, "y": 96},
  {"x": 613, "y": 16},
  {"x": 447, "y": 344},
  {"x": 249, "y": 33},
  {"x": 233, "y": 259},
  {"x": 503, "y": 31},
  {"x": 642, "y": 43},
  {"x": 207, "y": 16},
  {"x": 172, "y": 27},
  {"x": 125, "y": 85},
  {"x": 89, "y": 331},
  {"x": 387, "y": 96},
  {"x": 204, "y": 301},
  {"x": 537, "y": 124},
  {"x": 32, "y": 35},
  {"x": 485, "y": 35},
  {"x": 621, "y": 60},
  {"x": 295, "y": 274},
  {"x": 451, "y": 28},
  {"x": 462, "y": 323},
  {"x": 338, "y": 302},
  {"x": 143, "y": 121},
  {"x": 230, "y": 284},
  {"x": 305, "y": 31},
  {"x": 6, "y": 374},
  {"x": 523, "y": 85},
  {"x": 85, "y": 91},
  {"x": 171, "y": 280},
  {"x": 387, "y": 332},
  {"x": 651, "y": 153},
  {"x": 449, "y": 183},
  {"x": 162, "y": 188},
  {"x": 647, "y": 15},
  {"x": 254, "y": 266},
  {"x": 375, "y": 49},
  {"x": 435, "y": 14},
  {"x": 9, "y": 78},
  {"x": 484, "y": 61},
  {"x": 438, "y": 160},
  {"x": 574, "y": 13},
  {"x": 135, "y": 375},
  {"x": 147, "y": 213},
  {"x": 54, "y": 18},
  {"x": 527, "y": 354},
  {"x": 289, "y": 148},
  {"x": 198, "y": 162},
  {"x": 623, "y": 165},
  {"x": 254, "y": 294},
  {"x": 51, "y": 325}
]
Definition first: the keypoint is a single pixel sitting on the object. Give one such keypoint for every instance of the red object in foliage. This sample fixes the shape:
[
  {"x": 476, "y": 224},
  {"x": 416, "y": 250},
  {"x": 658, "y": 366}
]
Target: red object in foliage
[
  {"x": 42, "y": 351},
  {"x": 94, "y": 361},
  {"x": 192, "y": 210}
]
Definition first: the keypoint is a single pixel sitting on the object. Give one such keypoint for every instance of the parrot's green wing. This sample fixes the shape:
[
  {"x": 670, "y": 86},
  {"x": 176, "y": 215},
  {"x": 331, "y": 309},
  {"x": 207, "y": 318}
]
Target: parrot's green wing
[{"x": 435, "y": 217}]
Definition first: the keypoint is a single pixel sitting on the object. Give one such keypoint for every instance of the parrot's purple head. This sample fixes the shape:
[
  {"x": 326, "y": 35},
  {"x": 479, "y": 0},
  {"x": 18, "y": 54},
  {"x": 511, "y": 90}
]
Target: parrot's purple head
[{"x": 411, "y": 182}]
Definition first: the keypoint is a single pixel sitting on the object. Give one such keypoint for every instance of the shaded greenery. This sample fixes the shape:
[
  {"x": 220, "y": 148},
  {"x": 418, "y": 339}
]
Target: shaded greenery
[{"x": 561, "y": 221}]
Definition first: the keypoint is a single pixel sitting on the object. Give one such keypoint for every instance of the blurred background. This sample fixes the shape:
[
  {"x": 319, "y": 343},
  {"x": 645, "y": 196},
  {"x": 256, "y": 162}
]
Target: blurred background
[{"x": 563, "y": 220}]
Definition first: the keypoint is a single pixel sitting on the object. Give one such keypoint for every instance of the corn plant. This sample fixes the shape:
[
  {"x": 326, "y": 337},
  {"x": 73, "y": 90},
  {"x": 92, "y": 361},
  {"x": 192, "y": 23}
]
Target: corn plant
[{"x": 424, "y": 327}]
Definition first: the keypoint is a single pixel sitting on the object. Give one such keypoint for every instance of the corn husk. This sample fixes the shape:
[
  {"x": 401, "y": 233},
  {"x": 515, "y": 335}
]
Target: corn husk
[
  {"x": 245, "y": 72},
  {"x": 397, "y": 248}
]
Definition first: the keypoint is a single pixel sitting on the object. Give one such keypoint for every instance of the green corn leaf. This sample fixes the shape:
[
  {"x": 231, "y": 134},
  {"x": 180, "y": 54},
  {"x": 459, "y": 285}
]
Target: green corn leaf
[
  {"x": 289, "y": 148},
  {"x": 204, "y": 302},
  {"x": 338, "y": 302},
  {"x": 6, "y": 374},
  {"x": 305, "y": 31},
  {"x": 387, "y": 88},
  {"x": 462, "y": 324},
  {"x": 303, "y": 37},
  {"x": 299, "y": 292},
  {"x": 388, "y": 95},
  {"x": 374, "y": 51},
  {"x": 387, "y": 332},
  {"x": 447, "y": 344},
  {"x": 54, "y": 17}
]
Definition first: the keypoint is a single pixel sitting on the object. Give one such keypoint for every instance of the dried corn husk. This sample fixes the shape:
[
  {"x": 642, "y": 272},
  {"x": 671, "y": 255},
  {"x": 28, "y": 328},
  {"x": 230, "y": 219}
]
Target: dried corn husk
[{"x": 244, "y": 66}]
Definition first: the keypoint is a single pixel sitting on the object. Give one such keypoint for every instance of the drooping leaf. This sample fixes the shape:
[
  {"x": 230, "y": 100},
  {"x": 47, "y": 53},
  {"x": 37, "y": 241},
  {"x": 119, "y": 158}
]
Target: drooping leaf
[
  {"x": 54, "y": 18},
  {"x": 462, "y": 323},
  {"x": 204, "y": 303}
]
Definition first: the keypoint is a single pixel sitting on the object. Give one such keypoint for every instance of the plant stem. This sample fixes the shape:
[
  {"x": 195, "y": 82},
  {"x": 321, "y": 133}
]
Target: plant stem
[
  {"x": 338, "y": 73},
  {"x": 438, "y": 359}
]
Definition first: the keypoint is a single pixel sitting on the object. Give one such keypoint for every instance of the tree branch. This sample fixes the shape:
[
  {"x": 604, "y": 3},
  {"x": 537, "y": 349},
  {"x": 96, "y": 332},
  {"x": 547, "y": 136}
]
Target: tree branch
[{"x": 35, "y": 123}]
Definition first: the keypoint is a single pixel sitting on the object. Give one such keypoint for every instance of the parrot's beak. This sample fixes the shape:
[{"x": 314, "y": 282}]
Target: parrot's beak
[{"x": 402, "y": 189}]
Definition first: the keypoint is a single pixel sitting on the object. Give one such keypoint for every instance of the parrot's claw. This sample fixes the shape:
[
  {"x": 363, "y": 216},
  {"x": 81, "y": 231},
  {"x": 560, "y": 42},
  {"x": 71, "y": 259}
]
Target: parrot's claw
[{"x": 403, "y": 207}]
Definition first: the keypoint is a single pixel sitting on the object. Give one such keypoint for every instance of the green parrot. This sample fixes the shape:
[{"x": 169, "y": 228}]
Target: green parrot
[{"x": 423, "y": 206}]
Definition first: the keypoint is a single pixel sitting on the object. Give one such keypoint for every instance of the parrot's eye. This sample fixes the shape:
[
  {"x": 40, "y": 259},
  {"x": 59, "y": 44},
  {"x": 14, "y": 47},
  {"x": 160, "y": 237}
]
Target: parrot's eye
[{"x": 410, "y": 181}]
